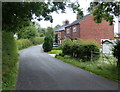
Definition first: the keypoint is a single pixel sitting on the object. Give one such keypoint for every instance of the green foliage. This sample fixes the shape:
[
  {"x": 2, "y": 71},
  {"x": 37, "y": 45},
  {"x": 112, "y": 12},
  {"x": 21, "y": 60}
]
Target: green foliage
[
  {"x": 104, "y": 11},
  {"x": 9, "y": 61},
  {"x": 50, "y": 31},
  {"x": 16, "y": 15},
  {"x": 67, "y": 47},
  {"x": 116, "y": 52},
  {"x": 56, "y": 38},
  {"x": 28, "y": 32},
  {"x": 23, "y": 43},
  {"x": 37, "y": 40},
  {"x": 57, "y": 48},
  {"x": 99, "y": 67},
  {"x": 41, "y": 32},
  {"x": 81, "y": 49},
  {"x": 48, "y": 43}
]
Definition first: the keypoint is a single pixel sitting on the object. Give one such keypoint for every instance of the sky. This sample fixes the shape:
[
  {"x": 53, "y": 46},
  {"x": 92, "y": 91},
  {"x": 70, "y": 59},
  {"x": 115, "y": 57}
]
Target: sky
[{"x": 69, "y": 15}]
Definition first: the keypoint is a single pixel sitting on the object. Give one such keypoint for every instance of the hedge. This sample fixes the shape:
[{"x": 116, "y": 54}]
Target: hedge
[
  {"x": 24, "y": 43},
  {"x": 37, "y": 40},
  {"x": 81, "y": 49},
  {"x": 9, "y": 61}
]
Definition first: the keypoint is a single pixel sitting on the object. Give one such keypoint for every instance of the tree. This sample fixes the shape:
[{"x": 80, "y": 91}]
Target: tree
[
  {"x": 104, "y": 11},
  {"x": 48, "y": 43},
  {"x": 29, "y": 32},
  {"x": 56, "y": 38},
  {"x": 16, "y": 14},
  {"x": 116, "y": 52},
  {"x": 50, "y": 31}
]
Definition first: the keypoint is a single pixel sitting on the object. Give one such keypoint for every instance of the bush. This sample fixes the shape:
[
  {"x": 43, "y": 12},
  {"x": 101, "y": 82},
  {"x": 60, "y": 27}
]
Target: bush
[
  {"x": 9, "y": 61},
  {"x": 48, "y": 43},
  {"x": 116, "y": 52},
  {"x": 67, "y": 47},
  {"x": 23, "y": 43},
  {"x": 37, "y": 40},
  {"x": 81, "y": 49}
]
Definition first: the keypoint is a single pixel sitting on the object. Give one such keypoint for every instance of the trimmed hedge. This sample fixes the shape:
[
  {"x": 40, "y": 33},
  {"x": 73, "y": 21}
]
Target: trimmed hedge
[
  {"x": 9, "y": 61},
  {"x": 81, "y": 49},
  {"x": 24, "y": 43}
]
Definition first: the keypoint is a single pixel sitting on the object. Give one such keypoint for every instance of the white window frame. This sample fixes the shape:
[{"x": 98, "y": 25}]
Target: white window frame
[
  {"x": 68, "y": 31},
  {"x": 74, "y": 29}
]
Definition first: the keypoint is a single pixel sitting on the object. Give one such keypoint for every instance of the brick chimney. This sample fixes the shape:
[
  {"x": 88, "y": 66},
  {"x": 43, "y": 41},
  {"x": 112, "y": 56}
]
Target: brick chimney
[{"x": 66, "y": 22}]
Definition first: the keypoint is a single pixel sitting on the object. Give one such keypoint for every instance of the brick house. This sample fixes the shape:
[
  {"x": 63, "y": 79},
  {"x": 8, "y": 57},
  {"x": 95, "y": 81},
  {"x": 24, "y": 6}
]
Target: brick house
[
  {"x": 60, "y": 33},
  {"x": 87, "y": 29}
]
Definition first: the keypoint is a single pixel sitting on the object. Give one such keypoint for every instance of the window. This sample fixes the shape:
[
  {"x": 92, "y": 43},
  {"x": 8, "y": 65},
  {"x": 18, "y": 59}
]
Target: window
[
  {"x": 68, "y": 31},
  {"x": 74, "y": 29}
]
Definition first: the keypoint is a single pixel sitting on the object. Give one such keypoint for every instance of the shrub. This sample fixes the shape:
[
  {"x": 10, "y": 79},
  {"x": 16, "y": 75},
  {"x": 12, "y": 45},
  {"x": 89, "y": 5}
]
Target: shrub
[
  {"x": 48, "y": 43},
  {"x": 37, "y": 40},
  {"x": 116, "y": 52},
  {"x": 9, "y": 61},
  {"x": 67, "y": 47},
  {"x": 81, "y": 49},
  {"x": 23, "y": 43}
]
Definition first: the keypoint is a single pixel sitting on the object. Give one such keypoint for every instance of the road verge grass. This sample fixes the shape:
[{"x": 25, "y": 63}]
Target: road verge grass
[
  {"x": 57, "y": 52},
  {"x": 104, "y": 68}
]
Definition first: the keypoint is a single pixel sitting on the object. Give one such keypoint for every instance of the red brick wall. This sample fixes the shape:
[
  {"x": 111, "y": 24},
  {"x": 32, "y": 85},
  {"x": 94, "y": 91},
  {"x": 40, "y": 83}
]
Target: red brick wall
[
  {"x": 70, "y": 34},
  {"x": 62, "y": 34},
  {"x": 77, "y": 33},
  {"x": 89, "y": 30}
]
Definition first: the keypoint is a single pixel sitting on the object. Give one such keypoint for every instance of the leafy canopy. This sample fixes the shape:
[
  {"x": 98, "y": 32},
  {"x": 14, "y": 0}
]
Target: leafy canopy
[
  {"x": 104, "y": 11},
  {"x": 16, "y": 14}
]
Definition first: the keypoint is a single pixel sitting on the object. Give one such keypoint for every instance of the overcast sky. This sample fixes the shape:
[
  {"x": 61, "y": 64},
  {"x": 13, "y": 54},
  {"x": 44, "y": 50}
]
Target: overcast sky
[{"x": 69, "y": 15}]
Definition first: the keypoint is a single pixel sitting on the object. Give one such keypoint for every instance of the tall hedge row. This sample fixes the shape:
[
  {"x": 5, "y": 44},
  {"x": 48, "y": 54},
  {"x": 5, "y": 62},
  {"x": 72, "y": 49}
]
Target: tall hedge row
[
  {"x": 24, "y": 43},
  {"x": 9, "y": 61},
  {"x": 81, "y": 49}
]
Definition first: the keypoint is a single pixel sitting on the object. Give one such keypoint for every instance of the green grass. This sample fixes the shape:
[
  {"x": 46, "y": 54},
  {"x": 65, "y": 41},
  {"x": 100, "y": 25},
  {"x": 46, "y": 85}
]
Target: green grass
[
  {"x": 106, "y": 68},
  {"x": 55, "y": 52}
]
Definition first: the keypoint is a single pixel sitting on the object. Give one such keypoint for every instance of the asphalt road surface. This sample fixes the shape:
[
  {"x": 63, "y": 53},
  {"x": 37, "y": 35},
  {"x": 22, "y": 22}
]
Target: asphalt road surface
[{"x": 40, "y": 71}]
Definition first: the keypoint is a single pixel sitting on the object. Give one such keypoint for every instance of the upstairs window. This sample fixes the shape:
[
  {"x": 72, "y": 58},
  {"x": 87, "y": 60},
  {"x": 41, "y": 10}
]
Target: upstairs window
[
  {"x": 68, "y": 31},
  {"x": 74, "y": 29}
]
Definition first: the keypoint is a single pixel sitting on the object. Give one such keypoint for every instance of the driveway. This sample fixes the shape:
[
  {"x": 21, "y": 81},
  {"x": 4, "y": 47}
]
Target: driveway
[{"x": 40, "y": 71}]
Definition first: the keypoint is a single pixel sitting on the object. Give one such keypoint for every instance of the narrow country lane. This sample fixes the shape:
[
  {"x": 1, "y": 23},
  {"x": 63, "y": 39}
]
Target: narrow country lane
[{"x": 40, "y": 71}]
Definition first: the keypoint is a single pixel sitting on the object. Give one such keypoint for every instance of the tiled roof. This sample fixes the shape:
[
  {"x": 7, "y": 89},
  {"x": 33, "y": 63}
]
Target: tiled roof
[
  {"x": 78, "y": 21},
  {"x": 61, "y": 28},
  {"x": 73, "y": 23}
]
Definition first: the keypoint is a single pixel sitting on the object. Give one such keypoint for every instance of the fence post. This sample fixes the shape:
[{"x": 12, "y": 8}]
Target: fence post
[{"x": 91, "y": 55}]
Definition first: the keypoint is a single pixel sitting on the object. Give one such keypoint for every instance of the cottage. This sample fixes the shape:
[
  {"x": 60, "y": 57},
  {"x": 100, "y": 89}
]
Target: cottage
[
  {"x": 61, "y": 32},
  {"x": 87, "y": 29}
]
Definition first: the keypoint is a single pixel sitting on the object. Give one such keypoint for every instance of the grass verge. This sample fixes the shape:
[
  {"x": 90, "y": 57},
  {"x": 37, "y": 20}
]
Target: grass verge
[
  {"x": 55, "y": 52},
  {"x": 101, "y": 67}
]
